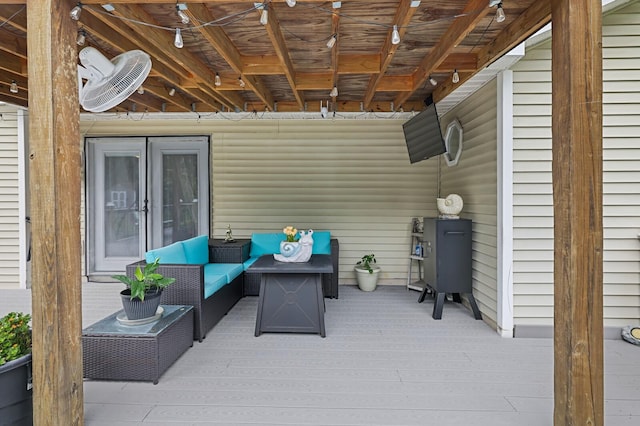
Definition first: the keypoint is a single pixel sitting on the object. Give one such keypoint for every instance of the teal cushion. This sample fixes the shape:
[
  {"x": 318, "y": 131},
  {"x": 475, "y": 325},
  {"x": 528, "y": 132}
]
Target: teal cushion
[
  {"x": 262, "y": 244},
  {"x": 173, "y": 253},
  {"x": 321, "y": 242},
  {"x": 213, "y": 283},
  {"x": 249, "y": 262},
  {"x": 196, "y": 250},
  {"x": 229, "y": 270}
]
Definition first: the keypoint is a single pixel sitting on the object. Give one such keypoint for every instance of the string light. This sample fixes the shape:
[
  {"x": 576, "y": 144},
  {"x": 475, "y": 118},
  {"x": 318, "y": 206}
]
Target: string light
[
  {"x": 172, "y": 91},
  {"x": 14, "y": 87},
  {"x": 500, "y": 15},
  {"x": 241, "y": 82},
  {"x": 76, "y": 11},
  {"x": 291, "y": 3},
  {"x": 433, "y": 81},
  {"x": 395, "y": 35},
  {"x": 178, "y": 42},
  {"x": 334, "y": 92},
  {"x": 82, "y": 37},
  {"x": 140, "y": 90},
  {"x": 456, "y": 77},
  {"x": 332, "y": 41},
  {"x": 180, "y": 8},
  {"x": 217, "y": 81},
  {"x": 264, "y": 16}
]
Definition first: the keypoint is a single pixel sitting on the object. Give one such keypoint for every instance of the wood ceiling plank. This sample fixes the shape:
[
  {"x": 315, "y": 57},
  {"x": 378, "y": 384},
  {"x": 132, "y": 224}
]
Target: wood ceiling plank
[
  {"x": 13, "y": 64},
  {"x": 522, "y": 27},
  {"x": 12, "y": 44},
  {"x": 314, "y": 81},
  {"x": 119, "y": 36},
  {"x": 15, "y": 15},
  {"x": 163, "y": 40},
  {"x": 335, "y": 51},
  {"x": 225, "y": 47},
  {"x": 403, "y": 16},
  {"x": 472, "y": 13},
  {"x": 277, "y": 40}
]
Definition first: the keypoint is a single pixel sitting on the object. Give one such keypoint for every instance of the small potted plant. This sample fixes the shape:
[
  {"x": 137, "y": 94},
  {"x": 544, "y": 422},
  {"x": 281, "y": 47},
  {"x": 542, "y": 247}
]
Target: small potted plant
[
  {"x": 367, "y": 272},
  {"x": 141, "y": 298},
  {"x": 16, "y": 404}
]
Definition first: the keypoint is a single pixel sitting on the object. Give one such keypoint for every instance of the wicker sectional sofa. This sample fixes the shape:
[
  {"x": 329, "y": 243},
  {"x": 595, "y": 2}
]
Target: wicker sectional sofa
[{"x": 213, "y": 287}]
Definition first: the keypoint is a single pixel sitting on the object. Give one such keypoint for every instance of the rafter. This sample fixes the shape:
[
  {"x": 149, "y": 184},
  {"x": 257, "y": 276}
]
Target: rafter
[
  {"x": 225, "y": 47},
  {"x": 403, "y": 16},
  {"x": 277, "y": 40},
  {"x": 472, "y": 13},
  {"x": 534, "y": 18},
  {"x": 162, "y": 40}
]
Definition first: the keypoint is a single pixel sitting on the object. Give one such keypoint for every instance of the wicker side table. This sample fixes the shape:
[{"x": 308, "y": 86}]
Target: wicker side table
[
  {"x": 221, "y": 251},
  {"x": 113, "y": 351}
]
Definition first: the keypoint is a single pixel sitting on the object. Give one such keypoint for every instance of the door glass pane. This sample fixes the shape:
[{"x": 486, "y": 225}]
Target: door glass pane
[
  {"x": 180, "y": 197},
  {"x": 121, "y": 212}
]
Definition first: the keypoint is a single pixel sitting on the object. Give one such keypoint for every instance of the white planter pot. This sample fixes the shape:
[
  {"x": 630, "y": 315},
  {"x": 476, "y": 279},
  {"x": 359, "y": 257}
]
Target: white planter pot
[{"x": 367, "y": 281}]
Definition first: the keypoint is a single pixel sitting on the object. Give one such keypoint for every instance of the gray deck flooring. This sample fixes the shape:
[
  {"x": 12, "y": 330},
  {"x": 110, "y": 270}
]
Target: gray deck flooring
[{"x": 384, "y": 361}]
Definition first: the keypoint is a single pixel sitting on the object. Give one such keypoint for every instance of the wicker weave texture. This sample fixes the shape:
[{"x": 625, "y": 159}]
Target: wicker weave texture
[{"x": 135, "y": 357}]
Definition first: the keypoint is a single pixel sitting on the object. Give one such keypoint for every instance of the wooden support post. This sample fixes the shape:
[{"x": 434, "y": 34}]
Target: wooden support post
[
  {"x": 577, "y": 199},
  {"x": 54, "y": 162}
]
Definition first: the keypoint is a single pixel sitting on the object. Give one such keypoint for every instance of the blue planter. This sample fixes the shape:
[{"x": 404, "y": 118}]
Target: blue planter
[{"x": 16, "y": 403}]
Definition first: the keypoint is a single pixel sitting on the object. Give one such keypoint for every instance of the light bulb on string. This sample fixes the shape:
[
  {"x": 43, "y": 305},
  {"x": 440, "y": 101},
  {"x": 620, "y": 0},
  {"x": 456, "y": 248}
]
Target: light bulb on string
[
  {"x": 177, "y": 42},
  {"x": 14, "y": 87},
  {"x": 395, "y": 35},
  {"x": 82, "y": 37},
  {"x": 500, "y": 15},
  {"x": 291, "y": 3},
  {"x": 433, "y": 81},
  {"x": 264, "y": 16},
  {"x": 183, "y": 16},
  {"x": 172, "y": 91},
  {"x": 332, "y": 41},
  {"x": 241, "y": 82},
  {"x": 456, "y": 77},
  {"x": 217, "y": 81},
  {"x": 76, "y": 11},
  {"x": 334, "y": 92},
  {"x": 140, "y": 90}
]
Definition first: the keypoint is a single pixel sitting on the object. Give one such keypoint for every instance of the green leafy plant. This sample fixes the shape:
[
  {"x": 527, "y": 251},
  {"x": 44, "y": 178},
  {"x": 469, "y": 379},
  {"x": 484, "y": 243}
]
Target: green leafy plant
[
  {"x": 366, "y": 262},
  {"x": 145, "y": 280},
  {"x": 15, "y": 336}
]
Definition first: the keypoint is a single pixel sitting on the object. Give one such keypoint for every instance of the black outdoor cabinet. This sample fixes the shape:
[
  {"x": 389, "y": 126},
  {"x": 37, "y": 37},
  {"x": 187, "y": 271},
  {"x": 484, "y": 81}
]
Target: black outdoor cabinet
[{"x": 447, "y": 262}]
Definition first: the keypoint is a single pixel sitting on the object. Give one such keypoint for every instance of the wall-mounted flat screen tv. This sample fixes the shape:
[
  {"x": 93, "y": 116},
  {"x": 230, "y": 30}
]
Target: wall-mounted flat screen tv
[{"x": 423, "y": 135}]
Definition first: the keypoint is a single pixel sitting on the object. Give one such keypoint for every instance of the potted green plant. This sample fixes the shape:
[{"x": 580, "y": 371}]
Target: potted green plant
[
  {"x": 367, "y": 272},
  {"x": 141, "y": 298},
  {"x": 16, "y": 403}
]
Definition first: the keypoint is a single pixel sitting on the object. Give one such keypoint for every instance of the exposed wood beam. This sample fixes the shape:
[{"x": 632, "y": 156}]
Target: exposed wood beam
[
  {"x": 576, "y": 70},
  {"x": 13, "y": 64},
  {"x": 54, "y": 164},
  {"x": 403, "y": 16},
  {"x": 13, "y": 45},
  {"x": 111, "y": 32},
  {"x": 335, "y": 51},
  {"x": 534, "y": 18},
  {"x": 123, "y": 38},
  {"x": 342, "y": 106},
  {"x": 472, "y": 13},
  {"x": 273, "y": 30},
  {"x": 15, "y": 15},
  {"x": 225, "y": 47},
  {"x": 163, "y": 40}
]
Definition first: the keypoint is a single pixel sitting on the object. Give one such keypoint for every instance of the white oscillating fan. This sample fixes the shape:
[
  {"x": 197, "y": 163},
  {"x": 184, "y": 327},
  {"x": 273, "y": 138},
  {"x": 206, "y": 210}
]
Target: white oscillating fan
[{"x": 110, "y": 82}]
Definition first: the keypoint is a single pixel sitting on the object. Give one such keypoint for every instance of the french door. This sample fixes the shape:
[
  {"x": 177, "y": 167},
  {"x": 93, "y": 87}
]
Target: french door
[{"x": 143, "y": 193}]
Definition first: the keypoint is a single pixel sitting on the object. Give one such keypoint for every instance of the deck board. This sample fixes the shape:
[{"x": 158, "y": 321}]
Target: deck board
[{"x": 384, "y": 361}]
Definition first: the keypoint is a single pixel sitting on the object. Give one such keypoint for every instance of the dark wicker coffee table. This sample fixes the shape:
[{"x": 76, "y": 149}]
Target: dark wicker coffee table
[{"x": 113, "y": 351}]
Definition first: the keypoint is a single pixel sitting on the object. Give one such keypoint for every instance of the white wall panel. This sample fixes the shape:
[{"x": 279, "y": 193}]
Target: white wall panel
[{"x": 9, "y": 198}]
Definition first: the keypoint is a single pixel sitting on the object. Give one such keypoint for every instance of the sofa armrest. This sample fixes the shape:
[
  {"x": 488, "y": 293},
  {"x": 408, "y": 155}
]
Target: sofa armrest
[{"x": 189, "y": 280}]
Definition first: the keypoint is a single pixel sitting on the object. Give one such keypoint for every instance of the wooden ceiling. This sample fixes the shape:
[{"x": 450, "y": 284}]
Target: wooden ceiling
[{"x": 286, "y": 65}]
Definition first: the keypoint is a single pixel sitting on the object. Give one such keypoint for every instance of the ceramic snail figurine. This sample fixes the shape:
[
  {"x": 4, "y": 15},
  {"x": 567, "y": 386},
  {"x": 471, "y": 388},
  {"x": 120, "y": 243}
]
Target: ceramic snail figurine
[
  {"x": 299, "y": 251},
  {"x": 450, "y": 207}
]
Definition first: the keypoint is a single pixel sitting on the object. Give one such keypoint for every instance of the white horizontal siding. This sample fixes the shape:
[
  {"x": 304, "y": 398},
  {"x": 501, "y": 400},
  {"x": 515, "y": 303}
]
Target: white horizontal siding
[
  {"x": 352, "y": 177},
  {"x": 475, "y": 180},
  {"x": 9, "y": 212},
  {"x": 533, "y": 202}
]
